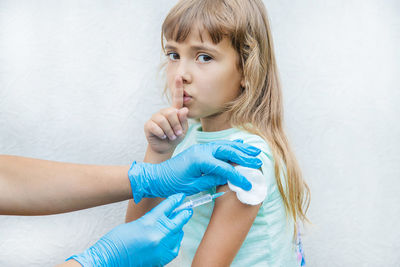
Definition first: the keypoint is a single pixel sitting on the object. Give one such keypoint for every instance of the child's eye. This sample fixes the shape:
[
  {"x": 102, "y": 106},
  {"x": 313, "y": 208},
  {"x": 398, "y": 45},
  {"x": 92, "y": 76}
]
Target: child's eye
[
  {"x": 173, "y": 56},
  {"x": 204, "y": 58}
]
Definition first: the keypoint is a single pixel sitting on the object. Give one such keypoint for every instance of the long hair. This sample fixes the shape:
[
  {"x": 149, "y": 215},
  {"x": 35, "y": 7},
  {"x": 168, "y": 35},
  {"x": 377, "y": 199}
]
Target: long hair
[{"x": 259, "y": 108}]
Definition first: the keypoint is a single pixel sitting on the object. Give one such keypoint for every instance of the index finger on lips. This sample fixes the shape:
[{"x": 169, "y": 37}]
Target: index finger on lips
[{"x": 177, "y": 93}]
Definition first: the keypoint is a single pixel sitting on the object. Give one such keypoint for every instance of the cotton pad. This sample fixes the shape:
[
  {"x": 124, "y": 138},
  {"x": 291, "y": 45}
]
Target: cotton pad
[{"x": 258, "y": 191}]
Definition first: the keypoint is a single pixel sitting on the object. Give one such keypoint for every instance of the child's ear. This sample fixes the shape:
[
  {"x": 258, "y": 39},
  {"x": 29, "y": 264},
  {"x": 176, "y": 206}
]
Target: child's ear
[{"x": 242, "y": 82}]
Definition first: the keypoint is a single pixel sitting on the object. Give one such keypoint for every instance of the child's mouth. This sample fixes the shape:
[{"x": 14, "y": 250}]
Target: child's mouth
[{"x": 186, "y": 97}]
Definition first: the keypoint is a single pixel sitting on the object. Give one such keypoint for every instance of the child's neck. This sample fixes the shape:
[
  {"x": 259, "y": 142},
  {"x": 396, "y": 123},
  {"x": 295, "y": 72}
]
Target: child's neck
[{"x": 215, "y": 123}]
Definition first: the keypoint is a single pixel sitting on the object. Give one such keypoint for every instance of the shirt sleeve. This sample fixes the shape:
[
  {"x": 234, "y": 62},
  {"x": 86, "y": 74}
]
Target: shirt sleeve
[{"x": 262, "y": 180}]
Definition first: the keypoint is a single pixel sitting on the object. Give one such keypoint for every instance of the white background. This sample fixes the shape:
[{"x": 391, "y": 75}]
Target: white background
[{"x": 78, "y": 79}]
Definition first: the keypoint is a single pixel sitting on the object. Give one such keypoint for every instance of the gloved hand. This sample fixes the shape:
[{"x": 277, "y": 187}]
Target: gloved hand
[
  {"x": 196, "y": 169},
  {"x": 152, "y": 240}
]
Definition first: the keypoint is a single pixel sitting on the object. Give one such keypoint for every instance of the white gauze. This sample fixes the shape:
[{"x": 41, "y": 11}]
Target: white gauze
[{"x": 258, "y": 190}]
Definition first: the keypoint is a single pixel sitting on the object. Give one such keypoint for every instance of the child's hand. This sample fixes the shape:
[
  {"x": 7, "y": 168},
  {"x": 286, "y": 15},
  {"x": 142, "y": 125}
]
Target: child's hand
[{"x": 167, "y": 128}]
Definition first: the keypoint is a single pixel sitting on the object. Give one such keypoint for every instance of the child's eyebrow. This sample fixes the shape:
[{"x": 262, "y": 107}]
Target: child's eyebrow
[
  {"x": 169, "y": 47},
  {"x": 202, "y": 47},
  {"x": 194, "y": 48}
]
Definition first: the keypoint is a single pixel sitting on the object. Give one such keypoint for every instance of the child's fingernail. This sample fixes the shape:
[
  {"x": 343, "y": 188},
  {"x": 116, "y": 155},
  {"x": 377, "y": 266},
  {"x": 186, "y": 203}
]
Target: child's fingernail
[
  {"x": 173, "y": 137},
  {"x": 164, "y": 136},
  {"x": 179, "y": 132}
]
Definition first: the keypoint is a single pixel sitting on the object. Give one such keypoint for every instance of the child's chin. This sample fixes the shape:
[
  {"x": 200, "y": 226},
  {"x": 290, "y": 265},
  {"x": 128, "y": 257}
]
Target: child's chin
[{"x": 193, "y": 116}]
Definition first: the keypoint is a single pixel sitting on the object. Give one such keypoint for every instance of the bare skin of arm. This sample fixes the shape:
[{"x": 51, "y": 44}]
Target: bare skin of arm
[
  {"x": 229, "y": 224},
  {"x": 135, "y": 211},
  {"x": 41, "y": 187}
]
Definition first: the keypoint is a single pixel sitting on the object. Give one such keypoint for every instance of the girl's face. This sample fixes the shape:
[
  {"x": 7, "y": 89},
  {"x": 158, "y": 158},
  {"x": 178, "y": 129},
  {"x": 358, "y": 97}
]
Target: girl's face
[{"x": 209, "y": 72}]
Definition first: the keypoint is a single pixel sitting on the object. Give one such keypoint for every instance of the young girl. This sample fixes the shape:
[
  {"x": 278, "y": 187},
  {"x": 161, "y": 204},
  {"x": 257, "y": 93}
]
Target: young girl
[{"x": 222, "y": 72}]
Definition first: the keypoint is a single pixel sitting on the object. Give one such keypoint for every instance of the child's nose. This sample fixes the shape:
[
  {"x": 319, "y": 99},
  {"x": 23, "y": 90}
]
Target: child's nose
[
  {"x": 186, "y": 79},
  {"x": 184, "y": 71}
]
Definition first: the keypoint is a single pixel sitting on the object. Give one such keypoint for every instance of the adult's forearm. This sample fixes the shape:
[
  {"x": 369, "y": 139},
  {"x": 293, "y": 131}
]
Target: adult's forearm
[{"x": 39, "y": 187}]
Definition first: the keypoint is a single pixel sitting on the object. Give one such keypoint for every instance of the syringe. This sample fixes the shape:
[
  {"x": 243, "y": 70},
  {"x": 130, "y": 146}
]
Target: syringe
[{"x": 197, "y": 201}]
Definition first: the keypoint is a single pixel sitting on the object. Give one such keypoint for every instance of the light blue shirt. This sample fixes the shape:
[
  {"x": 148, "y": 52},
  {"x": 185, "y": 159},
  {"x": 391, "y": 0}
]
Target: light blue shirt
[{"x": 270, "y": 239}]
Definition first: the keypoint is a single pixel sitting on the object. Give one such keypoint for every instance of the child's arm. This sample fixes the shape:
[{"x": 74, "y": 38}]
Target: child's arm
[
  {"x": 164, "y": 131},
  {"x": 229, "y": 224}
]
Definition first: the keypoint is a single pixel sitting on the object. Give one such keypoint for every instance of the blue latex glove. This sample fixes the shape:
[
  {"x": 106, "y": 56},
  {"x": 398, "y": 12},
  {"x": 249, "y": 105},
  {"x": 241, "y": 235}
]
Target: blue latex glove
[
  {"x": 152, "y": 240},
  {"x": 196, "y": 169}
]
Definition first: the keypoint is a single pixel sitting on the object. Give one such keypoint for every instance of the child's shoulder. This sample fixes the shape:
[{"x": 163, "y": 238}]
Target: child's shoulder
[
  {"x": 238, "y": 133},
  {"x": 268, "y": 166}
]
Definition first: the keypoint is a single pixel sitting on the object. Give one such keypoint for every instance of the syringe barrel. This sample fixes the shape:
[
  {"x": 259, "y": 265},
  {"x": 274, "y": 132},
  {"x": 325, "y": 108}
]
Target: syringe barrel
[
  {"x": 194, "y": 203},
  {"x": 201, "y": 200},
  {"x": 183, "y": 206}
]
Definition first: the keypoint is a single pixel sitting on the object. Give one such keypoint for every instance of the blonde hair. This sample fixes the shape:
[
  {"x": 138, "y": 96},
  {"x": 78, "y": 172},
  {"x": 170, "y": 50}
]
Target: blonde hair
[{"x": 259, "y": 108}]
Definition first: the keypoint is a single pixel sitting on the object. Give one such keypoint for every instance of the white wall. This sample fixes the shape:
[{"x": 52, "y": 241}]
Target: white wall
[{"x": 78, "y": 79}]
